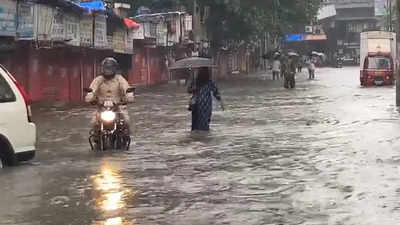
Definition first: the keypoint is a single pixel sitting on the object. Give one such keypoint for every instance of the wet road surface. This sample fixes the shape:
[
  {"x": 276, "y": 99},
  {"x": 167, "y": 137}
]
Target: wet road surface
[{"x": 324, "y": 153}]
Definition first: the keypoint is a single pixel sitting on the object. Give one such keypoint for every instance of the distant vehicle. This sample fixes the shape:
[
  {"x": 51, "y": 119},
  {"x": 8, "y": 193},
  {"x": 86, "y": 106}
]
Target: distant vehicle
[
  {"x": 339, "y": 62},
  {"x": 349, "y": 60},
  {"x": 17, "y": 131},
  {"x": 377, "y": 54}
]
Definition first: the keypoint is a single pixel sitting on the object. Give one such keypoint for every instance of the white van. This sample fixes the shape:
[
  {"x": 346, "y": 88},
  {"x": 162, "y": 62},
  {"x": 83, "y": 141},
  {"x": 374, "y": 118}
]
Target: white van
[{"x": 17, "y": 131}]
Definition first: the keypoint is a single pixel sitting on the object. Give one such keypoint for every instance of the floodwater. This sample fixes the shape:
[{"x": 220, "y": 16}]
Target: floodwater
[{"x": 325, "y": 153}]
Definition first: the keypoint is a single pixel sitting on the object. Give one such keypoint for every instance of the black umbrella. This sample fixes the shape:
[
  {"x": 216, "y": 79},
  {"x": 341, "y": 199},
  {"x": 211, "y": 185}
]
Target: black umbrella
[{"x": 192, "y": 63}]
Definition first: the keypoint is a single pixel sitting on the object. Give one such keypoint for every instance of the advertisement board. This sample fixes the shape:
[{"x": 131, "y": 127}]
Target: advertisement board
[
  {"x": 100, "y": 32},
  {"x": 45, "y": 21},
  {"x": 86, "y": 31},
  {"x": 380, "y": 7},
  {"x": 57, "y": 26},
  {"x": 26, "y": 18},
  {"x": 129, "y": 42},
  {"x": 119, "y": 40},
  {"x": 8, "y": 12},
  {"x": 162, "y": 33},
  {"x": 72, "y": 33},
  {"x": 138, "y": 34}
]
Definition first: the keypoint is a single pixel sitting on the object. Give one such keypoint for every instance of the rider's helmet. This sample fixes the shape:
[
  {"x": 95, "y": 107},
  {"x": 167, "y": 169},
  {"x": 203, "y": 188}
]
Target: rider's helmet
[{"x": 109, "y": 67}]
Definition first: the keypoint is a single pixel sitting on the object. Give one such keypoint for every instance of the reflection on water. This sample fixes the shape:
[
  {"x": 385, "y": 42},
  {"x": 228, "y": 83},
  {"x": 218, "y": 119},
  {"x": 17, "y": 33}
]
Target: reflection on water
[
  {"x": 111, "y": 195},
  {"x": 109, "y": 184},
  {"x": 113, "y": 221}
]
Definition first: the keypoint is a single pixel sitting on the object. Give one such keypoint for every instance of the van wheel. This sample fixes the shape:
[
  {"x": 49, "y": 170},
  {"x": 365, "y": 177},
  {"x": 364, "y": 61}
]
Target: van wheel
[
  {"x": 8, "y": 160},
  {"x": 7, "y": 156}
]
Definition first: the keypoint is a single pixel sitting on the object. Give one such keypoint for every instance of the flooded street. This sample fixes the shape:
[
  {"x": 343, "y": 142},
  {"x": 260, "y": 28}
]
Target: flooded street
[{"x": 325, "y": 153}]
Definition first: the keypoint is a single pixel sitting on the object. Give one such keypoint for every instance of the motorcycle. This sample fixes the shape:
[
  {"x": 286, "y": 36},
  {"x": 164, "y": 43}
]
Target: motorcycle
[{"x": 112, "y": 132}]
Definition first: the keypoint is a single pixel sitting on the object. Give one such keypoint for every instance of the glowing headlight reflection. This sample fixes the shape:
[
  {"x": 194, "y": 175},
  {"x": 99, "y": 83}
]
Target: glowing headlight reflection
[
  {"x": 114, "y": 221},
  {"x": 108, "y": 116}
]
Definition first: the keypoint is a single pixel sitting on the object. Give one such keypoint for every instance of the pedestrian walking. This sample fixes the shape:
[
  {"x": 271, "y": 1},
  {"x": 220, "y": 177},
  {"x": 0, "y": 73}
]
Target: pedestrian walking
[
  {"x": 276, "y": 69},
  {"x": 201, "y": 103},
  {"x": 311, "y": 69},
  {"x": 299, "y": 64},
  {"x": 290, "y": 72}
]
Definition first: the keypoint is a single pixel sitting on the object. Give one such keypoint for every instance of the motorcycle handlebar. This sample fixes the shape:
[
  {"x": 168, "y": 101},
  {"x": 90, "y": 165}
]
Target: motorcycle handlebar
[{"x": 97, "y": 103}]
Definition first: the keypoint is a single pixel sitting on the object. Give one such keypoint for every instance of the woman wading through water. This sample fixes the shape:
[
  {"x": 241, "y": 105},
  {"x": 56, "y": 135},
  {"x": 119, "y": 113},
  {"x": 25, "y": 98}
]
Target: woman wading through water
[{"x": 201, "y": 103}]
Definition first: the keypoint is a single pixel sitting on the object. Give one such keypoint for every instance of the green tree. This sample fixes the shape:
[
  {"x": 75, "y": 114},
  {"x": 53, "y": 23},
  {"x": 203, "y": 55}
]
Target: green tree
[{"x": 241, "y": 20}]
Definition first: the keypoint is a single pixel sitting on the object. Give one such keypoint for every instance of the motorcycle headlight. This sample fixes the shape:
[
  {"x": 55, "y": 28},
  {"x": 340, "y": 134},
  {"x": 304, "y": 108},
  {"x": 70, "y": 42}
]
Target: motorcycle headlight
[{"x": 108, "y": 116}]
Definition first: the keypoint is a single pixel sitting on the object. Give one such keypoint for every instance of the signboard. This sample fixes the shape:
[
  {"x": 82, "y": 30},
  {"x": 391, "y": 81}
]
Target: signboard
[
  {"x": 162, "y": 33},
  {"x": 100, "y": 32},
  {"x": 72, "y": 32},
  {"x": 315, "y": 37},
  {"x": 326, "y": 12},
  {"x": 129, "y": 42},
  {"x": 57, "y": 27},
  {"x": 138, "y": 33},
  {"x": 26, "y": 18},
  {"x": 119, "y": 40},
  {"x": 294, "y": 37},
  {"x": 379, "y": 45},
  {"x": 45, "y": 20},
  {"x": 86, "y": 30},
  {"x": 8, "y": 12},
  {"x": 380, "y": 7}
]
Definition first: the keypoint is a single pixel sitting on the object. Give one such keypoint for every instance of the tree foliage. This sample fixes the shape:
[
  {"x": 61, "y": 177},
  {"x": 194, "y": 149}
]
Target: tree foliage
[{"x": 238, "y": 20}]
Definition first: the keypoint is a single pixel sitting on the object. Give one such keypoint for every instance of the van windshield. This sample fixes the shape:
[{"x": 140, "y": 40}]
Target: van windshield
[{"x": 378, "y": 62}]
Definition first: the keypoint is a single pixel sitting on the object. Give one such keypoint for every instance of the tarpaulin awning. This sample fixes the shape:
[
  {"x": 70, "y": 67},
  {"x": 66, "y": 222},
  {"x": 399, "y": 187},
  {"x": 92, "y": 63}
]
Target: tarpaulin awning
[
  {"x": 131, "y": 24},
  {"x": 64, "y": 4},
  {"x": 93, "y": 6}
]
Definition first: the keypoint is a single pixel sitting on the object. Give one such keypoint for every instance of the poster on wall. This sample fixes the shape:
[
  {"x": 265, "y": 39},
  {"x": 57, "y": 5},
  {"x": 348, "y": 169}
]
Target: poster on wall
[
  {"x": 26, "y": 18},
  {"x": 129, "y": 42},
  {"x": 100, "y": 32},
  {"x": 110, "y": 41},
  {"x": 72, "y": 34},
  {"x": 119, "y": 40},
  {"x": 45, "y": 20},
  {"x": 147, "y": 30},
  {"x": 138, "y": 34},
  {"x": 86, "y": 31},
  {"x": 8, "y": 12},
  {"x": 162, "y": 33},
  {"x": 57, "y": 26},
  {"x": 171, "y": 31},
  {"x": 178, "y": 28},
  {"x": 188, "y": 23}
]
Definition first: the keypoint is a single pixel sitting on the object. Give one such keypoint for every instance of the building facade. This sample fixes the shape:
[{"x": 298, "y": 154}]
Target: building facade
[{"x": 351, "y": 17}]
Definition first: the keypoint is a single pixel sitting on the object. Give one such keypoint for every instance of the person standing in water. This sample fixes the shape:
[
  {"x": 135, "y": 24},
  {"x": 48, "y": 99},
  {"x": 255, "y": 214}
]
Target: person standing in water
[{"x": 201, "y": 106}]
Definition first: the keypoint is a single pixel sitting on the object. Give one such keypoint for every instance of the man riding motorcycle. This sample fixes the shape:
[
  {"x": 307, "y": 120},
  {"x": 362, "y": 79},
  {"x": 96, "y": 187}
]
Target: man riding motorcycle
[{"x": 110, "y": 86}]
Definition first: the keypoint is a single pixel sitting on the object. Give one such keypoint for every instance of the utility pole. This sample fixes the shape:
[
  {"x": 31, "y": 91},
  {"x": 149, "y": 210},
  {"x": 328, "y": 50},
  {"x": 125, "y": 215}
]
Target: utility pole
[
  {"x": 397, "y": 72},
  {"x": 390, "y": 16}
]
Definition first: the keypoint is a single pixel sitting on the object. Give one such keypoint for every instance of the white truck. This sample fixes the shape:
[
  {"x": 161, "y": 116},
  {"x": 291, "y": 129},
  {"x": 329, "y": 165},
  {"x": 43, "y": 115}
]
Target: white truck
[{"x": 377, "y": 58}]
